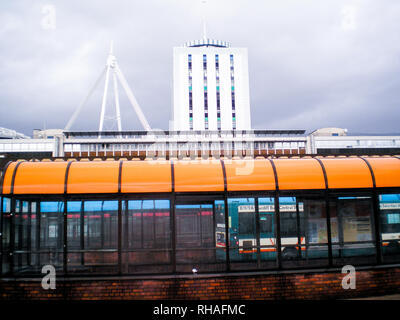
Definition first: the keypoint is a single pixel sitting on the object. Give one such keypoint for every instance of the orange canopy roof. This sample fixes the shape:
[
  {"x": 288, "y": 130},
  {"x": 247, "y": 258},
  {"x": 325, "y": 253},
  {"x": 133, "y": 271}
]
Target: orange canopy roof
[
  {"x": 40, "y": 177},
  {"x": 198, "y": 175},
  {"x": 245, "y": 175},
  {"x": 295, "y": 174},
  {"x": 386, "y": 171},
  {"x": 92, "y": 177}
]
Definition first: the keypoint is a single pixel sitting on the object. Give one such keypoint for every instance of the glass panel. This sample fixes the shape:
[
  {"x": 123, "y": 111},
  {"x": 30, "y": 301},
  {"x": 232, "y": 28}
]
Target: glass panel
[
  {"x": 6, "y": 205},
  {"x": 389, "y": 205},
  {"x": 291, "y": 232},
  {"x": 314, "y": 248},
  {"x": 6, "y": 235},
  {"x": 266, "y": 209},
  {"x": 352, "y": 230},
  {"x": 200, "y": 238},
  {"x": 51, "y": 233},
  {"x": 146, "y": 236},
  {"x": 100, "y": 232},
  {"x": 21, "y": 248},
  {"x": 34, "y": 236},
  {"x": 75, "y": 257},
  {"x": 242, "y": 233},
  {"x": 220, "y": 236},
  {"x": 303, "y": 232}
]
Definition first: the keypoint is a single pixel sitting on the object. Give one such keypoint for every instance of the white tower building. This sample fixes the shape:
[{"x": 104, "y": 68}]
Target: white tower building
[{"x": 211, "y": 87}]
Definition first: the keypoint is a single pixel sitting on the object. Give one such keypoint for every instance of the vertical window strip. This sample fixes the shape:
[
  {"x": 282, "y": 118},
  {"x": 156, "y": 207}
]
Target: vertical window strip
[
  {"x": 218, "y": 92},
  {"x": 233, "y": 94},
  {"x": 205, "y": 91},
  {"x": 190, "y": 92}
]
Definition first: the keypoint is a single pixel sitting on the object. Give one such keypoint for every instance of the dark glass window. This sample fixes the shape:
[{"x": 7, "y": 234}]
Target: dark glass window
[
  {"x": 217, "y": 83},
  {"x": 266, "y": 221},
  {"x": 100, "y": 233},
  {"x": 389, "y": 205},
  {"x": 288, "y": 224},
  {"x": 148, "y": 224},
  {"x": 194, "y": 225},
  {"x": 6, "y": 229},
  {"x": 100, "y": 224},
  {"x": 246, "y": 223},
  {"x": 200, "y": 236},
  {"x": 266, "y": 209},
  {"x": 51, "y": 232},
  {"x": 146, "y": 236},
  {"x": 190, "y": 91},
  {"x": 233, "y": 94},
  {"x": 75, "y": 238},
  {"x": 242, "y": 233}
]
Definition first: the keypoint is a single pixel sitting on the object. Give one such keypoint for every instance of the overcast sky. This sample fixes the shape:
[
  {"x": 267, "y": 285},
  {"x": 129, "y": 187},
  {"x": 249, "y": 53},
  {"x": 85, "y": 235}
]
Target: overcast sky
[{"x": 312, "y": 63}]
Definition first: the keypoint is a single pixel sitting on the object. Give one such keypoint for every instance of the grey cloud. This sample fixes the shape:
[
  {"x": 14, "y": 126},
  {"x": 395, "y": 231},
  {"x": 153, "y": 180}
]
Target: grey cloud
[{"x": 306, "y": 70}]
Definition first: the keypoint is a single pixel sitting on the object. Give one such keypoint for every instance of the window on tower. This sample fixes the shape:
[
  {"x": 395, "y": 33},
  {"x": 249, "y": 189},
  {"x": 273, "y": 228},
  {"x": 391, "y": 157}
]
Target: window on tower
[
  {"x": 190, "y": 92},
  {"x": 233, "y": 92},
  {"x": 205, "y": 91},
  {"x": 218, "y": 96}
]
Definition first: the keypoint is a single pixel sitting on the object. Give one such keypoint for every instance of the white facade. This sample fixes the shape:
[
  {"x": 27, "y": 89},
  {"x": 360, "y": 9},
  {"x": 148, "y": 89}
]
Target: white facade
[
  {"x": 215, "y": 78},
  {"x": 318, "y": 143},
  {"x": 174, "y": 144}
]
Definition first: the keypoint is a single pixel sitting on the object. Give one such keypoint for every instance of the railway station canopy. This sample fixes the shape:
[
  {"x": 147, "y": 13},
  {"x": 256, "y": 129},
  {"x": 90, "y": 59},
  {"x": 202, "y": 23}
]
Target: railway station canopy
[
  {"x": 101, "y": 177},
  {"x": 153, "y": 217}
]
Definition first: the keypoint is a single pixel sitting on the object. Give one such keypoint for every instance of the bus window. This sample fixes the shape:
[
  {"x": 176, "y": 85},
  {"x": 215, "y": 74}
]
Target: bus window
[
  {"x": 220, "y": 226},
  {"x": 291, "y": 233},
  {"x": 288, "y": 217},
  {"x": 242, "y": 233},
  {"x": 266, "y": 224},
  {"x": 266, "y": 210},
  {"x": 246, "y": 223}
]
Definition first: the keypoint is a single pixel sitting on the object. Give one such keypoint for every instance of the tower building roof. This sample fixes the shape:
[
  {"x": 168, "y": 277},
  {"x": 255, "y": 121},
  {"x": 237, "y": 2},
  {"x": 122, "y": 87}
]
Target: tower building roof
[{"x": 207, "y": 43}]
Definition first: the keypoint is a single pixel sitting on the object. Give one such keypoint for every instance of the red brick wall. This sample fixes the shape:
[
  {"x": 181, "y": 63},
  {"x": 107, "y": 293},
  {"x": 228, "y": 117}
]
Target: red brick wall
[{"x": 310, "y": 285}]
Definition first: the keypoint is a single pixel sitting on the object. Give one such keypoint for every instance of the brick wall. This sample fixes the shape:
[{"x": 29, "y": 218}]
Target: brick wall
[{"x": 306, "y": 285}]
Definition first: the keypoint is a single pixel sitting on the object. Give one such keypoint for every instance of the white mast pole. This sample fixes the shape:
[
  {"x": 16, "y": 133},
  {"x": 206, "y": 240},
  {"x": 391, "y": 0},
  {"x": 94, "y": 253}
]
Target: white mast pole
[
  {"x": 117, "y": 109},
  {"x": 117, "y": 74},
  {"x": 132, "y": 99},
  {"x": 103, "y": 104},
  {"x": 110, "y": 62},
  {"x": 79, "y": 109},
  {"x": 113, "y": 63}
]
